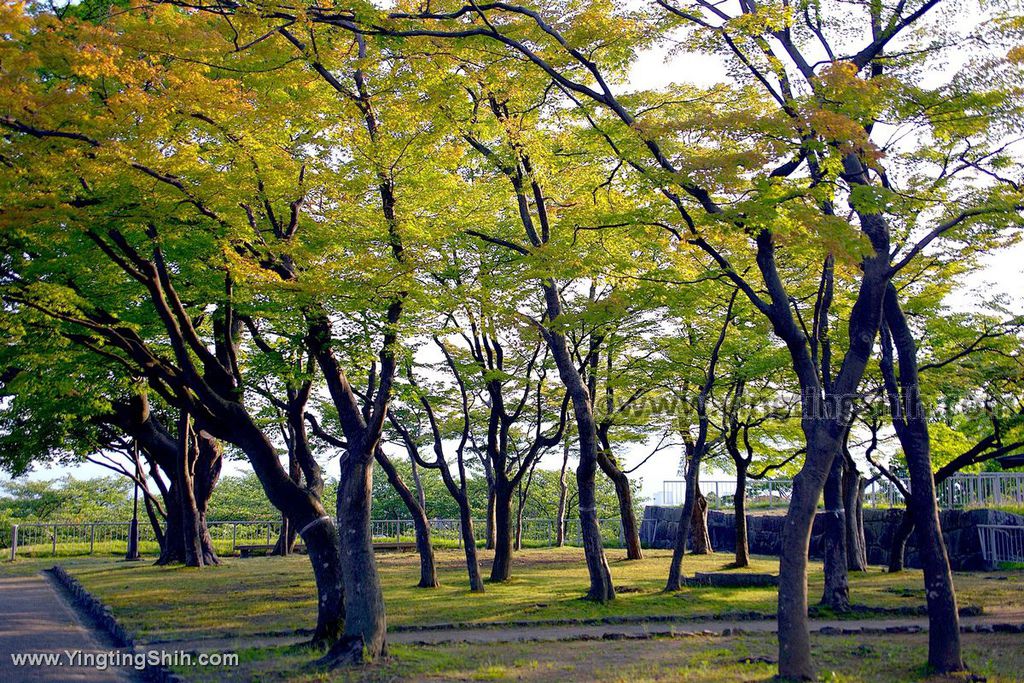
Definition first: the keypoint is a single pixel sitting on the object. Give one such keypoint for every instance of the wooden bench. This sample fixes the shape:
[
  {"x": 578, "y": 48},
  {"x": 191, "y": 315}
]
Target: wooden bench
[
  {"x": 262, "y": 549},
  {"x": 395, "y": 545}
]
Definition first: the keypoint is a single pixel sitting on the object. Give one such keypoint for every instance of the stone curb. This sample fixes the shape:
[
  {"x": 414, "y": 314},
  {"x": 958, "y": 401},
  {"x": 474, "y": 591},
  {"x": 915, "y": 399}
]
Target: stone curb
[
  {"x": 103, "y": 619},
  {"x": 727, "y": 632},
  {"x": 856, "y": 611}
]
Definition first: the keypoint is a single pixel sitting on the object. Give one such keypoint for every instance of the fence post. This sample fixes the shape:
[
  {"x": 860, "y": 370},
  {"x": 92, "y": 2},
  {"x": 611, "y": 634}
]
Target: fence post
[
  {"x": 998, "y": 490},
  {"x": 92, "y": 537},
  {"x": 55, "y": 540},
  {"x": 14, "y": 542},
  {"x": 268, "y": 533},
  {"x": 398, "y": 530},
  {"x": 234, "y": 536}
]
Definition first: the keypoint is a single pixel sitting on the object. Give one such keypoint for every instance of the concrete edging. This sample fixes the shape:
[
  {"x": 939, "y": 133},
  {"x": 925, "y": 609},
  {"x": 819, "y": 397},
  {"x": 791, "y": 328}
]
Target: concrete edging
[{"x": 103, "y": 619}]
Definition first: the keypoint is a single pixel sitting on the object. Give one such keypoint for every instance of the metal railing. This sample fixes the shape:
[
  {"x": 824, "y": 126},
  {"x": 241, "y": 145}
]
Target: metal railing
[
  {"x": 1001, "y": 543},
  {"x": 88, "y": 538},
  {"x": 987, "y": 489}
]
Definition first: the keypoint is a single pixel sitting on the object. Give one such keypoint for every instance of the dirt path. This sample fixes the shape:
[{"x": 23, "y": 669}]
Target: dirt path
[
  {"x": 499, "y": 634},
  {"x": 34, "y": 619}
]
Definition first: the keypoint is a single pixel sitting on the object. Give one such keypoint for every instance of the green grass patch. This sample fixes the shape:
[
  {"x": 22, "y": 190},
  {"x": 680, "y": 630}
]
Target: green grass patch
[
  {"x": 696, "y": 659},
  {"x": 275, "y": 595}
]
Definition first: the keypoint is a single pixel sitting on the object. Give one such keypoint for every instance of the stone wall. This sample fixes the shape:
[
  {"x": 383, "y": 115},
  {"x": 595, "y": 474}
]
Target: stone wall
[{"x": 959, "y": 528}]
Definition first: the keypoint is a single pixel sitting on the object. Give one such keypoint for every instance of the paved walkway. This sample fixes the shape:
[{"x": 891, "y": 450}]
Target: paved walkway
[{"x": 34, "y": 619}]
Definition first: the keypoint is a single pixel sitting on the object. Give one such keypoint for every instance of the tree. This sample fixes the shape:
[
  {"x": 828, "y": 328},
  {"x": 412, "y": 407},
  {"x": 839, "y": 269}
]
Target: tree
[
  {"x": 834, "y": 143},
  {"x": 113, "y": 291},
  {"x": 697, "y": 448},
  {"x": 459, "y": 489},
  {"x": 756, "y": 428}
]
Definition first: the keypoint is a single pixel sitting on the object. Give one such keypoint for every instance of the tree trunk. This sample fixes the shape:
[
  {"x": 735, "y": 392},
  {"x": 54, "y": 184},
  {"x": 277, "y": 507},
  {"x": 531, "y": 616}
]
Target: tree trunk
[
  {"x": 206, "y": 474},
  {"x": 837, "y": 586},
  {"x": 624, "y": 493},
  {"x": 424, "y": 546},
  {"x": 154, "y": 522},
  {"x": 853, "y": 506},
  {"x": 476, "y": 582},
  {"x": 675, "y": 570},
  {"x": 900, "y": 536},
  {"x": 700, "y": 539},
  {"x": 794, "y": 635},
  {"x": 601, "y": 587},
  {"x": 491, "y": 512},
  {"x": 520, "y": 504},
  {"x": 186, "y": 514},
  {"x": 501, "y": 569},
  {"x": 187, "y": 455},
  {"x": 563, "y": 491},
  {"x": 911, "y": 423},
  {"x": 364, "y": 635},
  {"x": 286, "y": 539},
  {"x": 285, "y": 544},
  {"x": 173, "y": 549},
  {"x": 324, "y": 548},
  {"x": 739, "y": 503}
]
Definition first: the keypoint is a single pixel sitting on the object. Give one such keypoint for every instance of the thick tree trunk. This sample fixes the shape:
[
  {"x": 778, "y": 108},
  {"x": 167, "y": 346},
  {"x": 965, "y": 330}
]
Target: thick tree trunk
[
  {"x": 476, "y": 582},
  {"x": 491, "y": 512},
  {"x": 202, "y": 471},
  {"x": 794, "y": 635},
  {"x": 324, "y": 548},
  {"x": 944, "y": 654},
  {"x": 853, "y": 505},
  {"x": 501, "y": 569},
  {"x": 898, "y": 549},
  {"x": 364, "y": 635},
  {"x": 837, "y": 586},
  {"x": 700, "y": 538},
  {"x": 187, "y": 455},
  {"x": 624, "y": 493},
  {"x": 424, "y": 546},
  {"x": 206, "y": 474},
  {"x": 739, "y": 503},
  {"x": 173, "y": 549},
  {"x": 306, "y": 513}
]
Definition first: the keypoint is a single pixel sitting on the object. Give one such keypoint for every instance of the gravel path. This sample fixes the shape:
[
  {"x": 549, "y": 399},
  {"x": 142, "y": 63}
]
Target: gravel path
[{"x": 35, "y": 619}]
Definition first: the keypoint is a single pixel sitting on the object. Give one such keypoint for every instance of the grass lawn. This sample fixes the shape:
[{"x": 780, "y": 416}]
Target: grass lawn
[
  {"x": 275, "y": 595},
  {"x": 704, "y": 659}
]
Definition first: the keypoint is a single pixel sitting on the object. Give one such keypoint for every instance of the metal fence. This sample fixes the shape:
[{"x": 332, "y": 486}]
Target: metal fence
[
  {"x": 88, "y": 538},
  {"x": 1001, "y": 543},
  {"x": 987, "y": 489}
]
